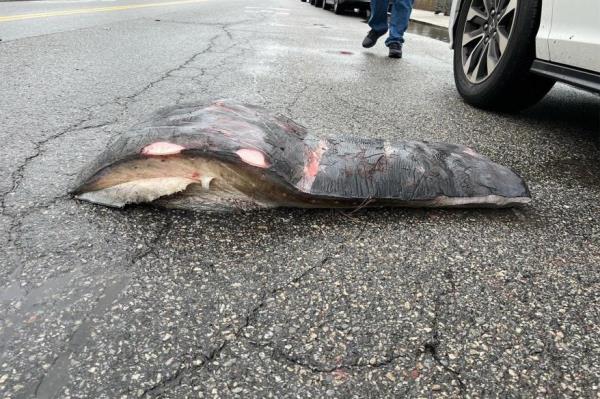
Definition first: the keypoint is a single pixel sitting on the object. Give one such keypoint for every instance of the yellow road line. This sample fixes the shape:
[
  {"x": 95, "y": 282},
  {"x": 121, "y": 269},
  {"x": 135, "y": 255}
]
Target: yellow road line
[{"x": 8, "y": 18}]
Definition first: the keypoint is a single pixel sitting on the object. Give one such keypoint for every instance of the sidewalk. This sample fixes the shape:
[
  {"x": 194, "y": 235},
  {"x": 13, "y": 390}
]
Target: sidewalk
[{"x": 428, "y": 17}]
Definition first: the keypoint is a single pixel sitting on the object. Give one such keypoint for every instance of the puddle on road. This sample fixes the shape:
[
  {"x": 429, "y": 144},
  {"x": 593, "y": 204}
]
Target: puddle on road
[{"x": 432, "y": 31}]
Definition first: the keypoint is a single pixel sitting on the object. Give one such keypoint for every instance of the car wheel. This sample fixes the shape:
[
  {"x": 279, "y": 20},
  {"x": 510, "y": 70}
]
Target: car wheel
[
  {"x": 337, "y": 7},
  {"x": 325, "y": 5},
  {"x": 304, "y": 1},
  {"x": 494, "y": 49},
  {"x": 312, "y": 2},
  {"x": 319, "y": 3}
]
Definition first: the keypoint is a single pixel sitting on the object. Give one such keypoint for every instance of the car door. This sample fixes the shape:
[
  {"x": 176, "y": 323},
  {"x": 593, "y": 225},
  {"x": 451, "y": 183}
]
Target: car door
[{"x": 574, "y": 37}]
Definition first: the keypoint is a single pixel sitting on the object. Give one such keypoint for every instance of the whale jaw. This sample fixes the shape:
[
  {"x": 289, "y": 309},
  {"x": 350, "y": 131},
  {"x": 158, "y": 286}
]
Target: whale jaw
[
  {"x": 136, "y": 191},
  {"x": 179, "y": 182}
]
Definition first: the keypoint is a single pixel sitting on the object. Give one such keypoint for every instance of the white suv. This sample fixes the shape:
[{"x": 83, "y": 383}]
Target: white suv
[{"x": 509, "y": 53}]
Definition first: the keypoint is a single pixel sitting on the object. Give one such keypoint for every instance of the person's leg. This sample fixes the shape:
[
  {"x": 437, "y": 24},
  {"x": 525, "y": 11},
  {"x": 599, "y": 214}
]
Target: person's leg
[
  {"x": 379, "y": 20},
  {"x": 399, "y": 21}
]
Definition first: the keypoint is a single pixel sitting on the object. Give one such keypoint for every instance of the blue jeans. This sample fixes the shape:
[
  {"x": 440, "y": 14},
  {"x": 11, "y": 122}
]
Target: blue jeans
[{"x": 401, "y": 10}]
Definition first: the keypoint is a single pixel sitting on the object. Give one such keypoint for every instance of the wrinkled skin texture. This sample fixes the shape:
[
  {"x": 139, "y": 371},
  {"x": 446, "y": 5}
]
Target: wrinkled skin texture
[{"x": 228, "y": 156}]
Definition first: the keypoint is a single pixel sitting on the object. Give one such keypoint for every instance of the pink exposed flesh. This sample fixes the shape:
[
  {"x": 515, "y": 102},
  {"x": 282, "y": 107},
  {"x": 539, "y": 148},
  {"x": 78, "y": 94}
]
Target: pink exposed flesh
[
  {"x": 253, "y": 157},
  {"x": 313, "y": 164},
  {"x": 470, "y": 151},
  {"x": 162, "y": 148},
  {"x": 314, "y": 160},
  {"x": 311, "y": 168}
]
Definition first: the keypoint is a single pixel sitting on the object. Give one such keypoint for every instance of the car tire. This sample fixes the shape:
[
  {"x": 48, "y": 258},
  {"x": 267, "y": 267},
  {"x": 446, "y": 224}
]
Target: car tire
[
  {"x": 304, "y": 1},
  {"x": 312, "y": 2},
  {"x": 337, "y": 7},
  {"x": 493, "y": 52},
  {"x": 325, "y": 5},
  {"x": 319, "y": 3}
]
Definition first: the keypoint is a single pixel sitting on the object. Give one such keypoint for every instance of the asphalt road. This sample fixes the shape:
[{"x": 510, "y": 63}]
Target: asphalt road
[{"x": 144, "y": 302}]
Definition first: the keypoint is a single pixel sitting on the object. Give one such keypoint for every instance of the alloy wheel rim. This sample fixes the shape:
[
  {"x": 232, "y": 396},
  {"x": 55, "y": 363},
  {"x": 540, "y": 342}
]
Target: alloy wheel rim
[{"x": 485, "y": 36}]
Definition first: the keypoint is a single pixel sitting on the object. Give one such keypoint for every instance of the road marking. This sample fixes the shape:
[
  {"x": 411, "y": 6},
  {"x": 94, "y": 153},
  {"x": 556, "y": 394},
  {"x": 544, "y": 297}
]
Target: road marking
[
  {"x": 72, "y": 1},
  {"x": 9, "y": 18}
]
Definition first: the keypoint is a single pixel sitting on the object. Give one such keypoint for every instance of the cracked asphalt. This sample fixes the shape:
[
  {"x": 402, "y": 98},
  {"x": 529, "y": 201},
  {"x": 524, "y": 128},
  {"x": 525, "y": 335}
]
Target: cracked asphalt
[{"x": 144, "y": 302}]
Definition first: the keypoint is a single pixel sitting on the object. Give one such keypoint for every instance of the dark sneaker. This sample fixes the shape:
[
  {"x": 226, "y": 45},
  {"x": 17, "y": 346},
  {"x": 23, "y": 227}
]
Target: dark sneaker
[
  {"x": 395, "y": 50},
  {"x": 371, "y": 38}
]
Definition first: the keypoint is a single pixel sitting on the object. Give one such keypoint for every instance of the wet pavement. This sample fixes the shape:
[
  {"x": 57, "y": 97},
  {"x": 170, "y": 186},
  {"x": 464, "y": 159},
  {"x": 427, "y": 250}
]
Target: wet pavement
[{"x": 144, "y": 302}]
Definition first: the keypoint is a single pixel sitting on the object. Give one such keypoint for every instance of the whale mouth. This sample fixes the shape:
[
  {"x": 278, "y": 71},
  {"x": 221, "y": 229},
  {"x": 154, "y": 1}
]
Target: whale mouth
[
  {"x": 136, "y": 191},
  {"x": 181, "y": 182}
]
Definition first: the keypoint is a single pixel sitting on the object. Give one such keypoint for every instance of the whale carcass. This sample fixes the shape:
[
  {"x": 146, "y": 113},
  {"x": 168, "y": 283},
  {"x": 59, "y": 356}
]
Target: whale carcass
[{"x": 226, "y": 156}]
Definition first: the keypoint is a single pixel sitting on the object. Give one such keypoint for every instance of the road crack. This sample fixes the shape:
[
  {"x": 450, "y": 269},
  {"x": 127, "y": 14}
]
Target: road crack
[
  {"x": 431, "y": 347},
  {"x": 250, "y": 319},
  {"x": 215, "y": 352}
]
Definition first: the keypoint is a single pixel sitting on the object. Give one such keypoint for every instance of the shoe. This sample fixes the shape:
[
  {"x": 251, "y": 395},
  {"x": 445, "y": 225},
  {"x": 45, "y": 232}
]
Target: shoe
[
  {"x": 395, "y": 50},
  {"x": 371, "y": 38}
]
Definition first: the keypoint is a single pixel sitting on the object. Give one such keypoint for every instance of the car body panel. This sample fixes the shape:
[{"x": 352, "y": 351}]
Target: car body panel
[
  {"x": 542, "y": 51},
  {"x": 574, "y": 38},
  {"x": 569, "y": 32},
  {"x": 454, "y": 10}
]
